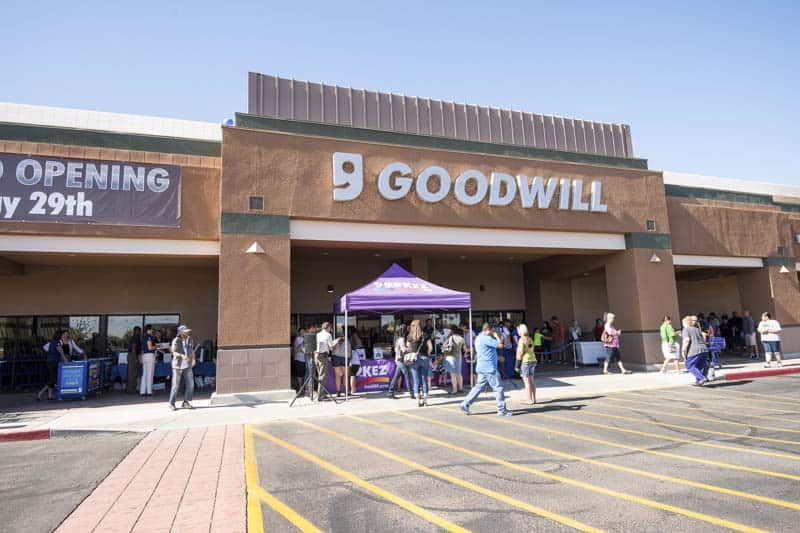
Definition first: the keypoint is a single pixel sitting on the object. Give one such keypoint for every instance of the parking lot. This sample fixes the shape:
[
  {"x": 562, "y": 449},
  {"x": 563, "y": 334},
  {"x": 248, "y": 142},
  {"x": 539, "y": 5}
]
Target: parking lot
[{"x": 690, "y": 459}]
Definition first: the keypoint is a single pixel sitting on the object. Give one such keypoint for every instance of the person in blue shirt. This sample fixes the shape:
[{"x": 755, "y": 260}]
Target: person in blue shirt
[
  {"x": 55, "y": 354},
  {"x": 486, "y": 346}
]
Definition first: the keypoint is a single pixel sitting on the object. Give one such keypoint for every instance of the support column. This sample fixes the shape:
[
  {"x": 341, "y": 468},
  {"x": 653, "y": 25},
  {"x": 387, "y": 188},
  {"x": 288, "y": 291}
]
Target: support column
[
  {"x": 768, "y": 289},
  {"x": 254, "y": 300},
  {"x": 640, "y": 293}
]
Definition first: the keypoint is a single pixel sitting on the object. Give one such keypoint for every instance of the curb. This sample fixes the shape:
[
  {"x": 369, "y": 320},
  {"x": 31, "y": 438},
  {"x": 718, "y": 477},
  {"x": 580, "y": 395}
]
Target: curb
[
  {"x": 31, "y": 434},
  {"x": 762, "y": 373}
]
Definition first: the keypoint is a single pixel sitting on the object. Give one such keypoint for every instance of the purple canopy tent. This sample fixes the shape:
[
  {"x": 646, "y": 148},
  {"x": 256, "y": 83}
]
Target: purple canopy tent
[{"x": 397, "y": 289}]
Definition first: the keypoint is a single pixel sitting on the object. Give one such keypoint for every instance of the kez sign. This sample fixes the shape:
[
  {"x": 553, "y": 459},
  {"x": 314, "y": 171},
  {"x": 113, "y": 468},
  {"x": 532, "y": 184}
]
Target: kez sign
[
  {"x": 471, "y": 187},
  {"x": 51, "y": 189}
]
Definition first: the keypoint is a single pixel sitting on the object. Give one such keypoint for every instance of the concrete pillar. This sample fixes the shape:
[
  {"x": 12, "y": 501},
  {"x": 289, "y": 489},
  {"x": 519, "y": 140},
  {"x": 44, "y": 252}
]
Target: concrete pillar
[
  {"x": 254, "y": 300},
  {"x": 768, "y": 289},
  {"x": 640, "y": 293},
  {"x": 533, "y": 294}
]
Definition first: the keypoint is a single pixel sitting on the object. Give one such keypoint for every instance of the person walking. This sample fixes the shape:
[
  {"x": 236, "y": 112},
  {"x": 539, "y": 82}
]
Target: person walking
[
  {"x": 183, "y": 360},
  {"x": 325, "y": 344},
  {"x": 134, "y": 354},
  {"x": 298, "y": 359},
  {"x": 453, "y": 359},
  {"x": 770, "y": 331},
  {"x": 694, "y": 349},
  {"x": 418, "y": 342},
  {"x": 148, "y": 361},
  {"x": 401, "y": 368},
  {"x": 526, "y": 363},
  {"x": 56, "y": 353},
  {"x": 357, "y": 353},
  {"x": 486, "y": 346},
  {"x": 670, "y": 347},
  {"x": 749, "y": 331},
  {"x": 611, "y": 342}
]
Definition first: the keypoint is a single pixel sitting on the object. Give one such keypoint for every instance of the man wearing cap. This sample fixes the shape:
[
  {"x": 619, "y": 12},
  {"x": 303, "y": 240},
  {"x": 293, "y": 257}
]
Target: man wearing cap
[{"x": 183, "y": 360}]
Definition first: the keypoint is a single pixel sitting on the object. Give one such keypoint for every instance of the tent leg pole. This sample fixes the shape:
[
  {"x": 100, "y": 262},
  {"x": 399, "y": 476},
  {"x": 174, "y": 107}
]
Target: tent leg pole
[
  {"x": 346, "y": 360},
  {"x": 471, "y": 351}
]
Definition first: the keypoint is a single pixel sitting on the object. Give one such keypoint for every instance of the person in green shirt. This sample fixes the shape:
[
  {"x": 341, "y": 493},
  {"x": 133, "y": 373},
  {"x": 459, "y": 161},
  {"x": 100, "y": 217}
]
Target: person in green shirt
[
  {"x": 526, "y": 360},
  {"x": 670, "y": 345}
]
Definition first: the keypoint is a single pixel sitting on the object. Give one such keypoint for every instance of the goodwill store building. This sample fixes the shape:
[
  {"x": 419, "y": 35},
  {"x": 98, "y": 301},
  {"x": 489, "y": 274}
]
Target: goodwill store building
[{"x": 249, "y": 231}]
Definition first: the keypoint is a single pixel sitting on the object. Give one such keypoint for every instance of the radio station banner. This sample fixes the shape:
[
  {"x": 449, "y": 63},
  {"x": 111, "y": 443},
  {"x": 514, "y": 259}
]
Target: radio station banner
[{"x": 87, "y": 191}]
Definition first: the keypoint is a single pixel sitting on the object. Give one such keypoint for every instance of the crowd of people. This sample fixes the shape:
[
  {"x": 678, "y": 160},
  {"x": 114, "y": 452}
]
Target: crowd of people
[{"x": 424, "y": 351}]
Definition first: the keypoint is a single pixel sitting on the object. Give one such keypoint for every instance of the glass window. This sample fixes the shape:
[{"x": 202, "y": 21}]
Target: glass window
[
  {"x": 85, "y": 331},
  {"x": 44, "y": 330},
  {"x": 165, "y": 327},
  {"x": 120, "y": 329},
  {"x": 8, "y": 333}
]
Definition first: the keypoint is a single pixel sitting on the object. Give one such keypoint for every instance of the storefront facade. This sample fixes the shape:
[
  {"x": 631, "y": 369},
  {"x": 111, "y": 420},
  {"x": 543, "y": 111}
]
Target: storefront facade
[{"x": 301, "y": 204}]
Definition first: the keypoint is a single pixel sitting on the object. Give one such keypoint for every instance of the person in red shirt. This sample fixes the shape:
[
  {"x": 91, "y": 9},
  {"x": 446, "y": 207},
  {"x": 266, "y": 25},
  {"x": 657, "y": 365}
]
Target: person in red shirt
[{"x": 558, "y": 341}]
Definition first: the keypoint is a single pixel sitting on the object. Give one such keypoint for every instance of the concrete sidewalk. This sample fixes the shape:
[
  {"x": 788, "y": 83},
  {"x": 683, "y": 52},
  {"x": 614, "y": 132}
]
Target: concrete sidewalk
[{"x": 119, "y": 412}]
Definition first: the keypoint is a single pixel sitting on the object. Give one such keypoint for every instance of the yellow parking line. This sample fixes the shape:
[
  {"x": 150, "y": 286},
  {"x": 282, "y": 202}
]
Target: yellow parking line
[
  {"x": 730, "y": 466},
  {"x": 667, "y": 412},
  {"x": 696, "y": 429},
  {"x": 621, "y": 468},
  {"x": 746, "y": 408},
  {"x": 255, "y": 520},
  {"x": 522, "y": 468},
  {"x": 737, "y": 449},
  {"x": 745, "y": 397},
  {"x": 257, "y": 494},
  {"x": 783, "y": 398},
  {"x": 454, "y": 480},
  {"x": 366, "y": 485}
]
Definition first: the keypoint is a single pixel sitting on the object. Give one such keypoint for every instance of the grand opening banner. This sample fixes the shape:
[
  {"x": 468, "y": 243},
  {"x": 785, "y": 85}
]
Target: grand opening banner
[{"x": 86, "y": 191}]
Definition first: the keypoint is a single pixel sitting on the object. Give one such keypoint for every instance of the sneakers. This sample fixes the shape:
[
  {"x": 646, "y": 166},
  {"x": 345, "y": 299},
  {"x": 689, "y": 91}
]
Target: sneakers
[
  {"x": 464, "y": 407},
  {"x": 505, "y": 412},
  {"x": 172, "y": 407},
  {"x": 187, "y": 405}
]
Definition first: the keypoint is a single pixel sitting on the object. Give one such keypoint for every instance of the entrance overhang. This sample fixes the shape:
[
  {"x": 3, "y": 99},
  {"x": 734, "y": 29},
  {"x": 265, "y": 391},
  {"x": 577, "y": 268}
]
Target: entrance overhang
[
  {"x": 716, "y": 261},
  {"x": 356, "y": 232}
]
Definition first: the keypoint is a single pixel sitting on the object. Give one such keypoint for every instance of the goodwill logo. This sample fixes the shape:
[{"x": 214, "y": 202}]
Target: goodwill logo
[{"x": 471, "y": 187}]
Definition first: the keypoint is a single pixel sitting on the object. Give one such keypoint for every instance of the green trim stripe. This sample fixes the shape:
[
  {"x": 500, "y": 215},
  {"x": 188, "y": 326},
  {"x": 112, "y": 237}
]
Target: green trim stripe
[
  {"x": 778, "y": 261},
  {"x": 681, "y": 191},
  {"x": 255, "y": 224},
  {"x": 108, "y": 139},
  {"x": 244, "y": 120},
  {"x": 659, "y": 241}
]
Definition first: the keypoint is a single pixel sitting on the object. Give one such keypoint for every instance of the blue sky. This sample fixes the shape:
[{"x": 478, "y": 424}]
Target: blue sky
[{"x": 707, "y": 87}]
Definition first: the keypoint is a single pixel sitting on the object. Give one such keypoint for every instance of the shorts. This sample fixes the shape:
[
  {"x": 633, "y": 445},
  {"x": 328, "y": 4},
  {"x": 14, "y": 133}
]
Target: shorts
[
  {"x": 452, "y": 364},
  {"x": 771, "y": 346},
  {"x": 613, "y": 354},
  {"x": 527, "y": 369},
  {"x": 354, "y": 369},
  {"x": 750, "y": 339},
  {"x": 670, "y": 350},
  {"x": 337, "y": 360}
]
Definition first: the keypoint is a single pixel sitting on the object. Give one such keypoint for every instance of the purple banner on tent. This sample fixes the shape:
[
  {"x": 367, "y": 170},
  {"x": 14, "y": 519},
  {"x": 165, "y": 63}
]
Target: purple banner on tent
[
  {"x": 373, "y": 375},
  {"x": 87, "y": 191}
]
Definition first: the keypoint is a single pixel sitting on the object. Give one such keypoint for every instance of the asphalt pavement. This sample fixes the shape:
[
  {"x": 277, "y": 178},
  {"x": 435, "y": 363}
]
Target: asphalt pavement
[
  {"x": 723, "y": 457},
  {"x": 42, "y": 481}
]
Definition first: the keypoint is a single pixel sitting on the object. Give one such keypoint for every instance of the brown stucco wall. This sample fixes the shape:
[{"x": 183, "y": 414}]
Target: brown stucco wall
[
  {"x": 720, "y": 295},
  {"x": 190, "y": 291},
  {"x": 294, "y": 174},
  {"x": 200, "y": 176},
  {"x": 707, "y": 227}
]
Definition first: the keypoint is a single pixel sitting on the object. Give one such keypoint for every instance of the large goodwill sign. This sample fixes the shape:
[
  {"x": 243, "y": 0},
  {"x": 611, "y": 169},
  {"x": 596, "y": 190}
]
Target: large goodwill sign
[
  {"x": 51, "y": 189},
  {"x": 434, "y": 183}
]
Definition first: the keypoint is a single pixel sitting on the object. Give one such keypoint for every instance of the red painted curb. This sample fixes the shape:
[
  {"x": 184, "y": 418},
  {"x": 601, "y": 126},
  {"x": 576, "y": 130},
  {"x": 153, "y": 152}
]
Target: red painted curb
[
  {"x": 32, "y": 434},
  {"x": 762, "y": 373}
]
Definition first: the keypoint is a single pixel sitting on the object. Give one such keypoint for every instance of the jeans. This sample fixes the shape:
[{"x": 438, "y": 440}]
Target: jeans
[
  {"x": 696, "y": 364},
  {"x": 495, "y": 382},
  {"x": 187, "y": 377},
  {"x": 401, "y": 368},
  {"x": 420, "y": 372}
]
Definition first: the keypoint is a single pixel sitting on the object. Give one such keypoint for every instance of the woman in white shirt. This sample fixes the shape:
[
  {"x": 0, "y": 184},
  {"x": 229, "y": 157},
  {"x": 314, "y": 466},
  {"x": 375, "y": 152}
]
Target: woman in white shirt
[{"x": 770, "y": 331}]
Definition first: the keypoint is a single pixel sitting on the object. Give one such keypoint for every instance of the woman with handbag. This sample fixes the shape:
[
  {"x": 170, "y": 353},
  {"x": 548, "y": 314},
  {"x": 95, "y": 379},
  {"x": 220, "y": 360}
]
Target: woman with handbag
[
  {"x": 419, "y": 347},
  {"x": 400, "y": 350}
]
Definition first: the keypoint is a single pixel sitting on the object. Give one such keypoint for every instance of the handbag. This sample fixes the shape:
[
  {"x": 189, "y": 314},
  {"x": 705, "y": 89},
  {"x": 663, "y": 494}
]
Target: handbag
[{"x": 410, "y": 358}]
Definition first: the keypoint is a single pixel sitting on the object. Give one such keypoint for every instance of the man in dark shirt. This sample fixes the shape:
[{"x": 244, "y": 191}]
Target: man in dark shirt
[{"x": 134, "y": 351}]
